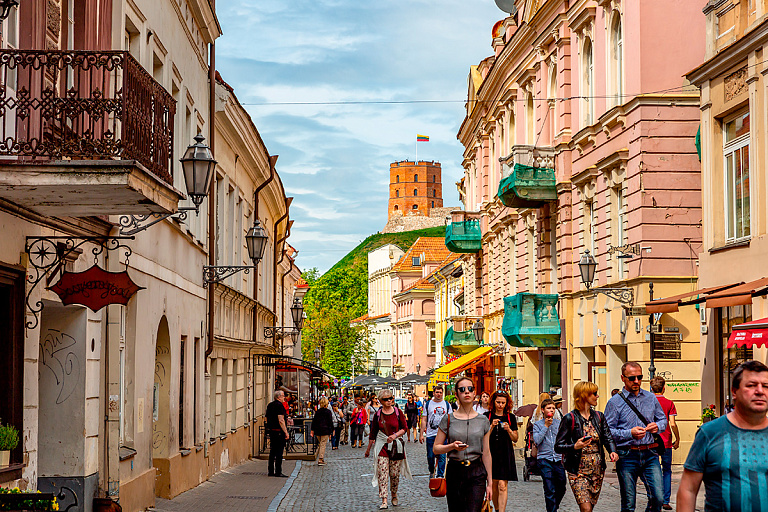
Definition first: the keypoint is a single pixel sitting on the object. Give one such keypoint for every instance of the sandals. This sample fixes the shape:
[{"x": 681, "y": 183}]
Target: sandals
[
  {"x": 383, "y": 506},
  {"x": 395, "y": 501}
]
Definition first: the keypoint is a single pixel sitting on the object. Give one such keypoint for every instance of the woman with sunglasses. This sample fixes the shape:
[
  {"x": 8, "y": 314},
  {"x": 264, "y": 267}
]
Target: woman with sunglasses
[
  {"x": 465, "y": 436},
  {"x": 504, "y": 435},
  {"x": 582, "y": 438},
  {"x": 387, "y": 427}
]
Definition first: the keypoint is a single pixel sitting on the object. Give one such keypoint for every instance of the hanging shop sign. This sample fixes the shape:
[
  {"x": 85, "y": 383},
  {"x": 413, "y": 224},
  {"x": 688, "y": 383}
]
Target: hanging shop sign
[{"x": 95, "y": 288}]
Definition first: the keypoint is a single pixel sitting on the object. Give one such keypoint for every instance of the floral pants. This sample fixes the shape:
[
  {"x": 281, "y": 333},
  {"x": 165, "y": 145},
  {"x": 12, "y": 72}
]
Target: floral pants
[{"x": 389, "y": 468}]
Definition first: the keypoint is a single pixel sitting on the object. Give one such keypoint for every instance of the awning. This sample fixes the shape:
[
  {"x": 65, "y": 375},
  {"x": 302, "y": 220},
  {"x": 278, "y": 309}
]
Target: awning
[
  {"x": 749, "y": 334},
  {"x": 738, "y": 295},
  {"x": 456, "y": 366},
  {"x": 672, "y": 304}
]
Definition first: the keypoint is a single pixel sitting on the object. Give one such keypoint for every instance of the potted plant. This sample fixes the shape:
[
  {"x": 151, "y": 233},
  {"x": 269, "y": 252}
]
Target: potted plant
[
  {"x": 708, "y": 413},
  {"x": 9, "y": 439}
]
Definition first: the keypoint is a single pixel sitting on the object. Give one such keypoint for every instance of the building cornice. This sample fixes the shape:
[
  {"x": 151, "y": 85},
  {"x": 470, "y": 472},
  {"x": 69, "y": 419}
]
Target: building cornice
[{"x": 731, "y": 56}]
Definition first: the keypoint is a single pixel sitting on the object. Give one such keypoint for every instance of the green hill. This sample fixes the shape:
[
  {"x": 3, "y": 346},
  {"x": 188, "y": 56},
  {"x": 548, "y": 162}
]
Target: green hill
[{"x": 403, "y": 240}]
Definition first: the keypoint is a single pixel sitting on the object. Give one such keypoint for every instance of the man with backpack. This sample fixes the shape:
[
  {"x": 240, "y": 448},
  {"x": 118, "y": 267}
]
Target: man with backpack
[{"x": 434, "y": 410}]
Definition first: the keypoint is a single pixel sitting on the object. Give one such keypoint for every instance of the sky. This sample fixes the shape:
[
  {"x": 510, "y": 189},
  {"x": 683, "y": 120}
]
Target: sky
[{"x": 334, "y": 159}]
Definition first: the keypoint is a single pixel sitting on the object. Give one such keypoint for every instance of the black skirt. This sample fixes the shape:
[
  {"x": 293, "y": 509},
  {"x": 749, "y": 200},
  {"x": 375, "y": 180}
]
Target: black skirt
[{"x": 502, "y": 455}]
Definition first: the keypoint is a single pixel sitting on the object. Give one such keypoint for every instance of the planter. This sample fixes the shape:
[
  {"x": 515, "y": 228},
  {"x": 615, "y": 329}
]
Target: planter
[
  {"x": 5, "y": 458},
  {"x": 705, "y": 419}
]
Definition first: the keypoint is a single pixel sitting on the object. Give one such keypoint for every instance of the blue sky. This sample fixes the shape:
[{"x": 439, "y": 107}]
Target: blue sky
[{"x": 334, "y": 159}]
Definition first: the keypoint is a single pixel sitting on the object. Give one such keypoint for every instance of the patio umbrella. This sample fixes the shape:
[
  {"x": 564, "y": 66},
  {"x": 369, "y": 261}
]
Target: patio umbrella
[
  {"x": 525, "y": 410},
  {"x": 414, "y": 378}
]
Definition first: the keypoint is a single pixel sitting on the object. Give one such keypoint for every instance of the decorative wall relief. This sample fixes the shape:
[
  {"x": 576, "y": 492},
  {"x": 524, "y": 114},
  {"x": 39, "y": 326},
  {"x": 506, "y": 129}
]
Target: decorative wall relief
[
  {"x": 735, "y": 83},
  {"x": 57, "y": 354}
]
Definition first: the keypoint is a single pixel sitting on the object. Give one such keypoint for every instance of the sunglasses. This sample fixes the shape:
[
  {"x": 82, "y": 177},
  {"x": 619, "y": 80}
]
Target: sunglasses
[
  {"x": 466, "y": 389},
  {"x": 387, "y": 398},
  {"x": 633, "y": 378}
]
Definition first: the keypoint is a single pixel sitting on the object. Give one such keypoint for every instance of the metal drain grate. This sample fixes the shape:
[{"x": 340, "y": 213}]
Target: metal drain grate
[
  {"x": 254, "y": 473},
  {"x": 246, "y": 497}
]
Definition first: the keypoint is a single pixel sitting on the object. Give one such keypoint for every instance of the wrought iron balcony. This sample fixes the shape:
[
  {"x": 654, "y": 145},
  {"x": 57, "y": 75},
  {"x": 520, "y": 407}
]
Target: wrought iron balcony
[
  {"x": 98, "y": 115},
  {"x": 528, "y": 177},
  {"x": 463, "y": 234},
  {"x": 531, "y": 320}
]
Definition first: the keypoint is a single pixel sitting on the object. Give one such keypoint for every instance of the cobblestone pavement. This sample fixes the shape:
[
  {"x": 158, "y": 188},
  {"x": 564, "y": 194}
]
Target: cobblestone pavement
[{"x": 344, "y": 484}]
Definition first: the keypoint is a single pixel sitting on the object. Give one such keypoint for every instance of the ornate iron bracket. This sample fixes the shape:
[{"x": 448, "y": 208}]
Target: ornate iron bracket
[
  {"x": 215, "y": 274},
  {"x": 132, "y": 224},
  {"x": 625, "y": 296},
  {"x": 625, "y": 251},
  {"x": 280, "y": 332},
  {"x": 47, "y": 256}
]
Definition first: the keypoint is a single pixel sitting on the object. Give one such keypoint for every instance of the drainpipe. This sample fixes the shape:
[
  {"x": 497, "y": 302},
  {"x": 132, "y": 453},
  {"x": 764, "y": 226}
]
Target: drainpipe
[{"x": 211, "y": 242}]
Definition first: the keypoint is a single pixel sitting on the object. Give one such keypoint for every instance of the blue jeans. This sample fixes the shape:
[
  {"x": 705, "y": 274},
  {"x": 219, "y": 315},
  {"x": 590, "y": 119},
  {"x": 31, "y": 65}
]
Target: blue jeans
[
  {"x": 666, "y": 470},
  {"x": 431, "y": 459},
  {"x": 645, "y": 465},
  {"x": 553, "y": 475}
]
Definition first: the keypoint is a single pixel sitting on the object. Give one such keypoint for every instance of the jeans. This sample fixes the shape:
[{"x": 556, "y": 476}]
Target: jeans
[
  {"x": 666, "y": 470},
  {"x": 357, "y": 433},
  {"x": 466, "y": 486},
  {"x": 431, "y": 459},
  {"x": 276, "y": 447},
  {"x": 553, "y": 476},
  {"x": 335, "y": 436},
  {"x": 645, "y": 465}
]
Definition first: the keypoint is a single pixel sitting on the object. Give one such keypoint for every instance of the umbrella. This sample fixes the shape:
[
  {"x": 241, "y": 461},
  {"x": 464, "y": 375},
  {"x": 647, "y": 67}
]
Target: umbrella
[
  {"x": 414, "y": 378},
  {"x": 525, "y": 410}
]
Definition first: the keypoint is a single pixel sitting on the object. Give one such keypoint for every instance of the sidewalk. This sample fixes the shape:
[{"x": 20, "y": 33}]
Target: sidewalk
[{"x": 243, "y": 488}]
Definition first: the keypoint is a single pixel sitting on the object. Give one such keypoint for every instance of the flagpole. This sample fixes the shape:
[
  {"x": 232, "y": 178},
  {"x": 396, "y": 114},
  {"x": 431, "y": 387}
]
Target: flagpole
[{"x": 417, "y": 149}]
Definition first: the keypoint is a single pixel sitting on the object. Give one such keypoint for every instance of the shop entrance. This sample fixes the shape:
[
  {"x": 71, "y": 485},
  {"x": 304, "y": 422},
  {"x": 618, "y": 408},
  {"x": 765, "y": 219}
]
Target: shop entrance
[
  {"x": 729, "y": 358},
  {"x": 552, "y": 381}
]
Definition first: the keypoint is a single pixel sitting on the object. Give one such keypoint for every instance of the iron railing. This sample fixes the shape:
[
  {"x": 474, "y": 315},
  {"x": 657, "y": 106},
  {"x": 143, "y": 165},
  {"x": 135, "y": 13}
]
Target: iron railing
[
  {"x": 84, "y": 105},
  {"x": 299, "y": 440}
]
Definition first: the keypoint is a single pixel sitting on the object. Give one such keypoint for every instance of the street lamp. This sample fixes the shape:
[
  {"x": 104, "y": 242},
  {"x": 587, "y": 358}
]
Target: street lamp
[
  {"x": 479, "y": 329},
  {"x": 198, "y": 166},
  {"x": 6, "y": 6},
  {"x": 317, "y": 356},
  {"x": 297, "y": 313},
  {"x": 418, "y": 368},
  {"x": 587, "y": 268},
  {"x": 255, "y": 242}
]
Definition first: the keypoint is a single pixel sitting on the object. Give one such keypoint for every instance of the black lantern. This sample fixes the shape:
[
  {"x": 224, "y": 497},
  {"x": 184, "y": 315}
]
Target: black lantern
[
  {"x": 587, "y": 267},
  {"x": 6, "y": 6},
  {"x": 317, "y": 355},
  {"x": 297, "y": 313},
  {"x": 418, "y": 368},
  {"x": 479, "y": 329},
  {"x": 198, "y": 165},
  {"x": 256, "y": 242}
]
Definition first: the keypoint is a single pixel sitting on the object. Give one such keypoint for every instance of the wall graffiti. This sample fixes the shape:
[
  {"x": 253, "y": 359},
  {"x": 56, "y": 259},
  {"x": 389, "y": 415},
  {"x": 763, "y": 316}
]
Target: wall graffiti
[
  {"x": 682, "y": 387},
  {"x": 57, "y": 355}
]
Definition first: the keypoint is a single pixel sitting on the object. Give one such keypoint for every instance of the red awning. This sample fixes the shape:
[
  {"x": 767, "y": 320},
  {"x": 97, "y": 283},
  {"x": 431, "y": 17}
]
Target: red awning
[
  {"x": 738, "y": 295},
  {"x": 672, "y": 304},
  {"x": 749, "y": 334}
]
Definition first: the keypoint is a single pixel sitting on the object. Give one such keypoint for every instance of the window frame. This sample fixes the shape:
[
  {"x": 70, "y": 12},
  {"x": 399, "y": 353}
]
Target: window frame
[{"x": 731, "y": 148}]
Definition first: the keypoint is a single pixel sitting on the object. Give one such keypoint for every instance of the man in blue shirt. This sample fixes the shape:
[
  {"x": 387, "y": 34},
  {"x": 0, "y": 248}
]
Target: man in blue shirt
[
  {"x": 550, "y": 463},
  {"x": 634, "y": 440},
  {"x": 730, "y": 454}
]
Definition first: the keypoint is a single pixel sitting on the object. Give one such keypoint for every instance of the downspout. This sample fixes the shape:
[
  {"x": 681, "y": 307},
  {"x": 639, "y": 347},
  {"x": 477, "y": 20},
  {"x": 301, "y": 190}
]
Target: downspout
[
  {"x": 211, "y": 245},
  {"x": 282, "y": 295}
]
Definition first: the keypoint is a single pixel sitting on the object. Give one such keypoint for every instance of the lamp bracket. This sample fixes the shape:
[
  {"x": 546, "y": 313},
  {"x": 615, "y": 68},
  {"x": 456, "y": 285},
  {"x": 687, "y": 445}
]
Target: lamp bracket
[
  {"x": 48, "y": 254},
  {"x": 132, "y": 224},
  {"x": 215, "y": 274},
  {"x": 625, "y": 296},
  {"x": 279, "y": 331}
]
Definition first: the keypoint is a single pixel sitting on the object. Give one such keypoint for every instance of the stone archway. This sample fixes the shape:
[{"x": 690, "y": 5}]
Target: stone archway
[{"x": 161, "y": 422}]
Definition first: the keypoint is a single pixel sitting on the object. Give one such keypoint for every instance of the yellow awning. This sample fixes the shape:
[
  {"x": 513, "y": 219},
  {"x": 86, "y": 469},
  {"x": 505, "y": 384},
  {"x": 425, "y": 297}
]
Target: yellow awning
[{"x": 447, "y": 371}]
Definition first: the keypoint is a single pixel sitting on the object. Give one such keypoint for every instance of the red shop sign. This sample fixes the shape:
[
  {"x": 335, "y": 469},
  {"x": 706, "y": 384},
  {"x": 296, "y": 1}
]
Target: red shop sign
[{"x": 95, "y": 288}]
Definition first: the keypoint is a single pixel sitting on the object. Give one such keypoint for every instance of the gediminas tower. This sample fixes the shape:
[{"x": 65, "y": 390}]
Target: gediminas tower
[{"x": 414, "y": 188}]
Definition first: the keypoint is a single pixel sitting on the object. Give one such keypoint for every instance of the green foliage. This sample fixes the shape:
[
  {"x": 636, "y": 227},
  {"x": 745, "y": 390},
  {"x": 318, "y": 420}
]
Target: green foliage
[
  {"x": 451, "y": 399},
  {"x": 9, "y": 437},
  {"x": 338, "y": 297},
  {"x": 15, "y": 499}
]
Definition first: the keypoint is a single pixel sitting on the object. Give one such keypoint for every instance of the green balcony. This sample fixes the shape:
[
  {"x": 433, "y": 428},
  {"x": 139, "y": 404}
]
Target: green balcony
[
  {"x": 531, "y": 320},
  {"x": 528, "y": 187},
  {"x": 463, "y": 236},
  {"x": 459, "y": 342}
]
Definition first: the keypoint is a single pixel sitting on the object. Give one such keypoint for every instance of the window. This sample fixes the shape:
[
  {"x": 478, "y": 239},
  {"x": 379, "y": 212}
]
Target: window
[
  {"x": 736, "y": 171},
  {"x": 398, "y": 178},
  {"x": 397, "y": 193},
  {"x": 182, "y": 355},
  {"x": 415, "y": 192},
  {"x": 588, "y": 89},
  {"x": 729, "y": 358},
  {"x": 616, "y": 62},
  {"x": 529, "y": 121},
  {"x": 415, "y": 207},
  {"x": 432, "y": 343},
  {"x": 433, "y": 204},
  {"x": 416, "y": 261},
  {"x": 589, "y": 227},
  {"x": 434, "y": 178},
  {"x": 415, "y": 178},
  {"x": 397, "y": 207}
]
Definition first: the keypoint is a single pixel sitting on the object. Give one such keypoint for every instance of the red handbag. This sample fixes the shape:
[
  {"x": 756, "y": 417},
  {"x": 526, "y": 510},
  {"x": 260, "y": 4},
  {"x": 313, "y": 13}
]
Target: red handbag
[{"x": 437, "y": 487}]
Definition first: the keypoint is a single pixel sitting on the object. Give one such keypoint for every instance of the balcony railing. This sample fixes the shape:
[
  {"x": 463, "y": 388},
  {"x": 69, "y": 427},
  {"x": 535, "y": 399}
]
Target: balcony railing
[
  {"x": 463, "y": 234},
  {"x": 84, "y": 105},
  {"x": 531, "y": 320}
]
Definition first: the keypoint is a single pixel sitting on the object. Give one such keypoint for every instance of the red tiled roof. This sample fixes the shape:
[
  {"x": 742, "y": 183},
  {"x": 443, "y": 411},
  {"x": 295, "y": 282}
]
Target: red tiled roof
[
  {"x": 359, "y": 319},
  {"x": 301, "y": 283},
  {"x": 433, "y": 248}
]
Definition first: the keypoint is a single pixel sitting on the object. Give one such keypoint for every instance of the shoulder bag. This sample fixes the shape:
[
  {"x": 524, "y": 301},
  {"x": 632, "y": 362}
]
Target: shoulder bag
[
  {"x": 437, "y": 486},
  {"x": 397, "y": 452},
  {"x": 660, "y": 448}
]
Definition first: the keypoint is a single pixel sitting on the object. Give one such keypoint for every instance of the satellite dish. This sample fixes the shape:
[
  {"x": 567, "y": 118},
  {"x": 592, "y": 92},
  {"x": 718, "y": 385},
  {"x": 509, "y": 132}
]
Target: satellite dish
[{"x": 507, "y": 6}]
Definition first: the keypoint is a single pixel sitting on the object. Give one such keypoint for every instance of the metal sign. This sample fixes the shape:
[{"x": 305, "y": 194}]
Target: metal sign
[
  {"x": 95, "y": 288},
  {"x": 636, "y": 311}
]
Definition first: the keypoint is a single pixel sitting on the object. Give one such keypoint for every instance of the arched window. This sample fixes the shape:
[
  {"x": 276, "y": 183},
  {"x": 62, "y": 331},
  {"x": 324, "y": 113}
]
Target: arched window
[
  {"x": 530, "y": 123},
  {"x": 415, "y": 178},
  {"x": 397, "y": 193},
  {"x": 617, "y": 61},
  {"x": 588, "y": 88},
  {"x": 396, "y": 208},
  {"x": 433, "y": 204},
  {"x": 434, "y": 178},
  {"x": 415, "y": 207},
  {"x": 434, "y": 193},
  {"x": 415, "y": 192},
  {"x": 398, "y": 178}
]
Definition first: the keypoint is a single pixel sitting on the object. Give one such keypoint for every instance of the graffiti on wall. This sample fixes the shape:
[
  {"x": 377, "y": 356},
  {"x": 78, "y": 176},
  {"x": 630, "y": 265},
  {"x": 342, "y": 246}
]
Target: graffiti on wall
[{"x": 57, "y": 354}]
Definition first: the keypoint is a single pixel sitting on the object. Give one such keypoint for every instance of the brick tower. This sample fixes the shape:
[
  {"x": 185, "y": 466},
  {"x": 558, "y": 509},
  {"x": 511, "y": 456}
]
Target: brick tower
[{"x": 414, "y": 188}]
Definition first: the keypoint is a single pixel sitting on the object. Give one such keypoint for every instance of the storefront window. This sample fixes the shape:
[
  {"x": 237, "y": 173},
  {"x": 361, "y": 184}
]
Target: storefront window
[
  {"x": 730, "y": 358},
  {"x": 737, "y": 193}
]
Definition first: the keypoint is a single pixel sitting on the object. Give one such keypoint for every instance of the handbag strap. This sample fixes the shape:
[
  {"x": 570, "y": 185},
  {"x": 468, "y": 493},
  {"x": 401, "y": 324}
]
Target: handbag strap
[{"x": 631, "y": 406}]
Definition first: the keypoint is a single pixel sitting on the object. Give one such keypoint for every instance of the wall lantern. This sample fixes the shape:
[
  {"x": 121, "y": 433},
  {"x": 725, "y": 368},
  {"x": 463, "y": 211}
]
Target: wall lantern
[
  {"x": 255, "y": 241},
  {"x": 479, "y": 329},
  {"x": 587, "y": 269}
]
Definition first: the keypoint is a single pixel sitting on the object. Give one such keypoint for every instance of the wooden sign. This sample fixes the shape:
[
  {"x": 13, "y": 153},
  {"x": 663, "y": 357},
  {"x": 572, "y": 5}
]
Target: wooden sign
[{"x": 95, "y": 288}]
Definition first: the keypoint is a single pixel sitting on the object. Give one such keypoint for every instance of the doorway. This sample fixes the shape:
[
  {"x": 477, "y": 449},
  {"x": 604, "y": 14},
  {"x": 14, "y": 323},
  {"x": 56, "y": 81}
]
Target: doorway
[
  {"x": 161, "y": 393},
  {"x": 598, "y": 374}
]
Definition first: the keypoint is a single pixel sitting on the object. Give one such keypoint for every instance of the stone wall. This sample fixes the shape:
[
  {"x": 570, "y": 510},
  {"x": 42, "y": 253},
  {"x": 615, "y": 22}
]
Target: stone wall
[{"x": 411, "y": 221}]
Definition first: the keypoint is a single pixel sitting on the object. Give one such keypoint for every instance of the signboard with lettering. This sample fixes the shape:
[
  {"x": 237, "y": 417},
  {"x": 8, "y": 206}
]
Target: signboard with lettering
[{"x": 95, "y": 288}]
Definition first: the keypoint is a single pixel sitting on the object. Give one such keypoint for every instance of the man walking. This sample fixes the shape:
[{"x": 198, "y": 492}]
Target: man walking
[
  {"x": 434, "y": 410},
  {"x": 668, "y": 406},
  {"x": 550, "y": 463},
  {"x": 636, "y": 445},
  {"x": 278, "y": 434},
  {"x": 730, "y": 454}
]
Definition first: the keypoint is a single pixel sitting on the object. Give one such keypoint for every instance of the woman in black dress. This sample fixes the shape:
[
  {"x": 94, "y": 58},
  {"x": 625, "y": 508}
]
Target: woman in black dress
[
  {"x": 503, "y": 438},
  {"x": 412, "y": 413}
]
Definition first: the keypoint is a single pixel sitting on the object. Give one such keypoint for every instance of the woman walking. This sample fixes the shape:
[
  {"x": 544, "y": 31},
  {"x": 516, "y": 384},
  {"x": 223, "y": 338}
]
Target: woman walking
[
  {"x": 372, "y": 408},
  {"x": 484, "y": 405},
  {"x": 387, "y": 427},
  {"x": 359, "y": 421},
  {"x": 338, "y": 424},
  {"x": 582, "y": 438},
  {"x": 502, "y": 443},
  {"x": 464, "y": 435},
  {"x": 322, "y": 426},
  {"x": 412, "y": 413}
]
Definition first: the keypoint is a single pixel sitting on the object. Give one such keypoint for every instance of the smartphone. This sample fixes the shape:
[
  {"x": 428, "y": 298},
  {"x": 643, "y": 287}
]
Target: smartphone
[
  {"x": 587, "y": 438},
  {"x": 463, "y": 445}
]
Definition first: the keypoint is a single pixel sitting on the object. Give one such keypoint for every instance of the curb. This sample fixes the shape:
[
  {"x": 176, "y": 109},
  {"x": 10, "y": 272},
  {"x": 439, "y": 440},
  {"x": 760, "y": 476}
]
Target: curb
[{"x": 286, "y": 487}]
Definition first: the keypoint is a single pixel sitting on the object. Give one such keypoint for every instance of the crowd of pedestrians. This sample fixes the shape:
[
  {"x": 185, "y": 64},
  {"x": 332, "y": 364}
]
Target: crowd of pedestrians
[{"x": 477, "y": 435}]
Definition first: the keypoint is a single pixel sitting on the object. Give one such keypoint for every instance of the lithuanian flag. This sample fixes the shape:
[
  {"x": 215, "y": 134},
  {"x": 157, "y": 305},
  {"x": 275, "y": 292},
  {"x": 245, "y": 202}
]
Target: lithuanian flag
[{"x": 422, "y": 138}]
